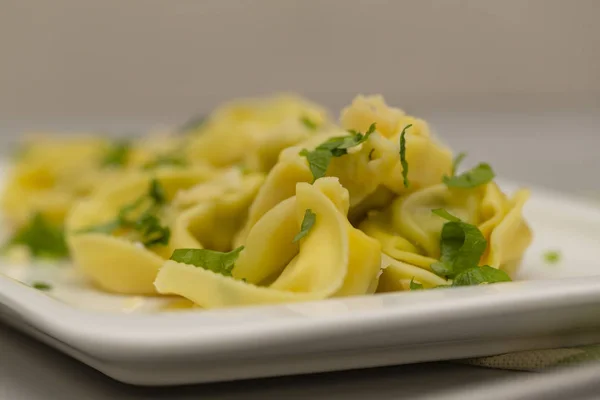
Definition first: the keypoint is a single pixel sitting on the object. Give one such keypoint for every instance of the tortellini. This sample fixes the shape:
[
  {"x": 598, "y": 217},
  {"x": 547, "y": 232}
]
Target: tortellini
[
  {"x": 49, "y": 175},
  {"x": 334, "y": 259},
  {"x": 268, "y": 201},
  {"x": 372, "y": 166},
  {"x": 252, "y": 132},
  {"x": 120, "y": 264},
  {"x": 410, "y": 233}
]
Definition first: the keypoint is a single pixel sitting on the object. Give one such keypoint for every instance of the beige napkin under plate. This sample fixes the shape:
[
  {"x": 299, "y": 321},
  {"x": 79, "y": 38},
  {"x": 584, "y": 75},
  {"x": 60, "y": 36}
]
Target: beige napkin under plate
[{"x": 536, "y": 360}]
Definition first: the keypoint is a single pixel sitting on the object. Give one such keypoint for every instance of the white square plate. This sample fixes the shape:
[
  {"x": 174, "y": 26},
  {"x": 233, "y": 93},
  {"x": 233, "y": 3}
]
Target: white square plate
[{"x": 127, "y": 339}]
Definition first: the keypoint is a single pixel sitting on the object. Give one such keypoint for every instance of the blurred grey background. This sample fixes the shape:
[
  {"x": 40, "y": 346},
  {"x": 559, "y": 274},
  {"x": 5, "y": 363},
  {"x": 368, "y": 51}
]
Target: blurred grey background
[{"x": 514, "y": 82}]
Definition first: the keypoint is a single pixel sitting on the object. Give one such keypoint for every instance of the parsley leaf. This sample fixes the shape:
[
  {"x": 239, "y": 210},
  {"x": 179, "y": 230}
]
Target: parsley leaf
[
  {"x": 41, "y": 286},
  {"x": 157, "y": 192},
  {"x": 320, "y": 158},
  {"x": 151, "y": 231},
  {"x": 193, "y": 123},
  {"x": 117, "y": 155},
  {"x": 165, "y": 160},
  {"x": 307, "y": 222},
  {"x": 309, "y": 123},
  {"x": 42, "y": 238},
  {"x": 216, "y": 261},
  {"x": 479, "y": 275},
  {"x": 479, "y": 175},
  {"x": 146, "y": 226},
  {"x": 552, "y": 256},
  {"x": 318, "y": 161},
  {"x": 414, "y": 285},
  {"x": 459, "y": 158},
  {"x": 461, "y": 245},
  {"x": 403, "y": 161}
]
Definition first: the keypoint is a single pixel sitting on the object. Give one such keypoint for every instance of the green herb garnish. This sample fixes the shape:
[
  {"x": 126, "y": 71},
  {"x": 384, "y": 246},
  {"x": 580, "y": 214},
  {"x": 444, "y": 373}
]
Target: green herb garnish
[
  {"x": 139, "y": 218},
  {"x": 216, "y": 261},
  {"x": 552, "y": 256},
  {"x": 403, "y": 161},
  {"x": 41, "y": 286},
  {"x": 320, "y": 158},
  {"x": 318, "y": 161},
  {"x": 42, "y": 238},
  {"x": 461, "y": 246},
  {"x": 479, "y": 175},
  {"x": 478, "y": 275},
  {"x": 309, "y": 123},
  {"x": 307, "y": 222},
  {"x": 157, "y": 192},
  {"x": 414, "y": 285},
  {"x": 456, "y": 163},
  {"x": 117, "y": 155}
]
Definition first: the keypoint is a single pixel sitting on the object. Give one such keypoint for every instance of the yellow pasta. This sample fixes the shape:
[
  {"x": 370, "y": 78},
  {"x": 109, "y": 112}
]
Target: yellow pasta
[
  {"x": 253, "y": 131},
  {"x": 333, "y": 260},
  {"x": 267, "y": 201},
  {"x": 119, "y": 264}
]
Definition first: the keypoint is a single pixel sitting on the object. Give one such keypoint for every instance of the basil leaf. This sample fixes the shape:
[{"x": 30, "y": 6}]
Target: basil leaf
[
  {"x": 318, "y": 161},
  {"x": 403, "y": 161},
  {"x": 117, "y": 155},
  {"x": 478, "y": 275},
  {"x": 42, "y": 238},
  {"x": 307, "y": 222},
  {"x": 459, "y": 158},
  {"x": 41, "y": 286},
  {"x": 320, "y": 158},
  {"x": 216, "y": 261},
  {"x": 479, "y": 175},
  {"x": 461, "y": 246},
  {"x": 414, "y": 285},
  {"x": 309, "y": 124}
]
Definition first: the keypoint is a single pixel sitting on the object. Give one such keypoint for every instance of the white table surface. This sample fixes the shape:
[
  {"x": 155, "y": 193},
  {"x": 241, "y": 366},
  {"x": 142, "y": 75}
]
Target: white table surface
[{"x": 558, "y": 150}]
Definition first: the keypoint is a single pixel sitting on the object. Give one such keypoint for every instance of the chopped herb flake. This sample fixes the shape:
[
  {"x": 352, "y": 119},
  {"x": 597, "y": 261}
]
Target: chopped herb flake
[
  {"x": 456, "y": 163},
  {"x": 117, "y": 155},
  {"x": 414, "y": 285},
  {"x": 478, "y": 275},
  {"x": 403, "y": 161},
  {"x": 307, "y": 223},
  {"x": 309, "y": 123},
  {"x": 41, "y": 286},
  {"x": 42, "y": 238},
  {"x": 479, "y": 175},
  {"x": 320, "y": 158},
  {"x": 552, "y": 256},
  {"x": 142, "y": 223},
  {"x": 216, "y": 261}
]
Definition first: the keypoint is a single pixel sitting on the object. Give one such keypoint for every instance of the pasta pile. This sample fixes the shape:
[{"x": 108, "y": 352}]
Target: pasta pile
[{"x": 267, "y": 201}]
